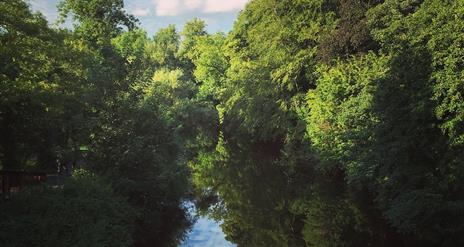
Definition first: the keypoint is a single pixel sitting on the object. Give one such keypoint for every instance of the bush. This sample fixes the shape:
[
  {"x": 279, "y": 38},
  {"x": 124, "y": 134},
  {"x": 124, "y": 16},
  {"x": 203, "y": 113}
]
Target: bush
[{"x": 83, "y": 212}]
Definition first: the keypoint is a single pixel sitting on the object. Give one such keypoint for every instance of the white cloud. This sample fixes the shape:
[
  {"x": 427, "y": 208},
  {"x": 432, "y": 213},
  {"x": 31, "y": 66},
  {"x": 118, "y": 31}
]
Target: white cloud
[
  {"x": 47, "y": 8},
  {"x": 168, "y": 7},
  {"x": 141, "y": 12},
  {"x": 193, "y": 4},
  {"x": 215, "y": 6},
  {"x": 177, "y": 7}
]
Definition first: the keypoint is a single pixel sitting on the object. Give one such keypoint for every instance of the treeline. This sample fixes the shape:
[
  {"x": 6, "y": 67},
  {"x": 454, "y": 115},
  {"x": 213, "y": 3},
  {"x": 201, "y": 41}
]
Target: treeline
[
  {"x": 312, "y": 123},
  {"x": 341, "y": 124},
  {"x": 107, "y": 98}
]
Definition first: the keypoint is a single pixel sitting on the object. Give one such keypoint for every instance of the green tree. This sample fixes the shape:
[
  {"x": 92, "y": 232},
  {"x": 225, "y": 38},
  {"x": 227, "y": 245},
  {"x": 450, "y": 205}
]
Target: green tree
[
  {"x": 40, "y": 90},
  {"x": 162, "y": 50}
]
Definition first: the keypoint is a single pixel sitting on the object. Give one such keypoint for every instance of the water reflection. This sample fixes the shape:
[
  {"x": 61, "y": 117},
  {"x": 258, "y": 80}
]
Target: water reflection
[{"x": 206, "y": 233}]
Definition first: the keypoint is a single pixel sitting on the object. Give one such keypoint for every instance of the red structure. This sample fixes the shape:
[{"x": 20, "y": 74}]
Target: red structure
[{"x": 16, "y": 181}]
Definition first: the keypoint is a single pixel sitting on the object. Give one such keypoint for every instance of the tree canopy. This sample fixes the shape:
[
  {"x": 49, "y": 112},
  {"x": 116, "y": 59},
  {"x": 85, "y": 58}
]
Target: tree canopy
[{"x": 310, "y": 123}]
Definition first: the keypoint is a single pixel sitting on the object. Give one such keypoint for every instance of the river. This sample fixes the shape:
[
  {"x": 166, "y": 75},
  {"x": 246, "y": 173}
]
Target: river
[{"x": 205, "y": 233}]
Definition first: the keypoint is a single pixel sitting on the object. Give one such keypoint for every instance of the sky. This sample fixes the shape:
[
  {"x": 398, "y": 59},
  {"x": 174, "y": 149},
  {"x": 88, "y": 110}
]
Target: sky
[{"x": 219, "y": 15}]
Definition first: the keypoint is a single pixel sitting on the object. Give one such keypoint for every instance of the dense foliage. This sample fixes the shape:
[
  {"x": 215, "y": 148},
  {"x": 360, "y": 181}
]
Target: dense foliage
[
  {"x": 84, "y": 212},
  {"x": 105, "y": 97},
  {"x": 340, "y": 125},
  {"x": 311, "y": 123}
]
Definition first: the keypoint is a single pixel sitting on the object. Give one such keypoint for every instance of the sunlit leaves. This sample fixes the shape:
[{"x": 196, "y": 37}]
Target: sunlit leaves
[{"x": 342, "y": 113}]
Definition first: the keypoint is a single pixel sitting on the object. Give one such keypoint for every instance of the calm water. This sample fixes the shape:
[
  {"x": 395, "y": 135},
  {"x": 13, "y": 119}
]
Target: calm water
[{"x": 206, "y": 233}]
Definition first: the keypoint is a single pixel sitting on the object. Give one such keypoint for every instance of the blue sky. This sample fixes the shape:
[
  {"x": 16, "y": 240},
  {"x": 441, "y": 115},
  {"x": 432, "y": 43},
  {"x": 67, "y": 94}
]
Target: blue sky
[{"x": 219, "y": 15}]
